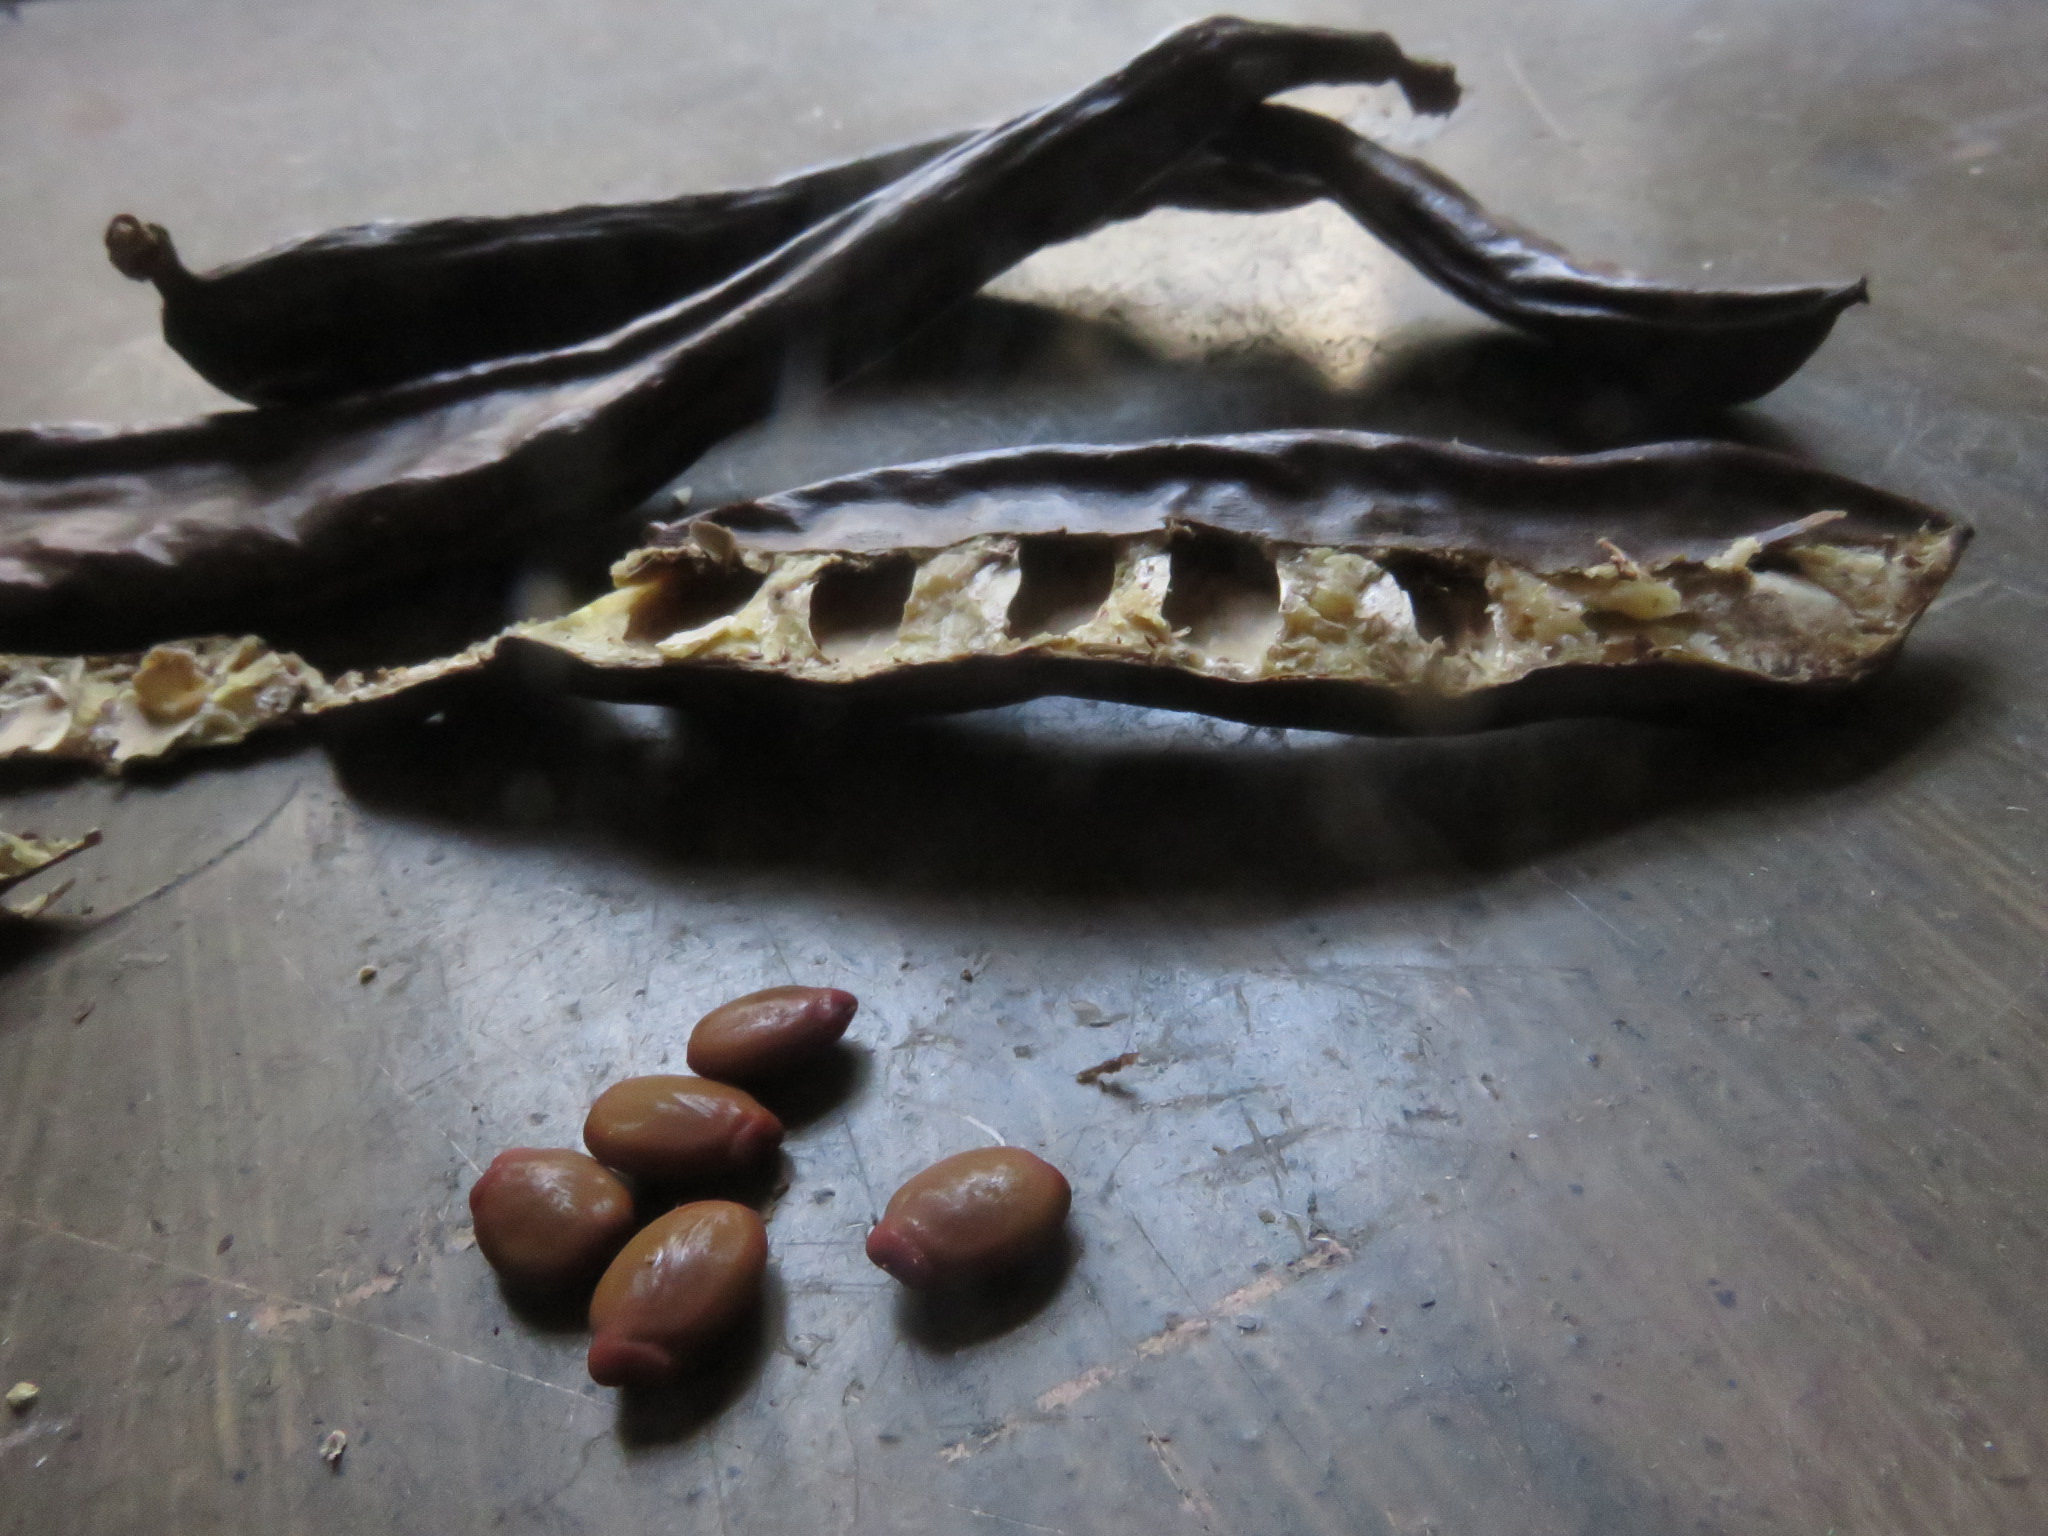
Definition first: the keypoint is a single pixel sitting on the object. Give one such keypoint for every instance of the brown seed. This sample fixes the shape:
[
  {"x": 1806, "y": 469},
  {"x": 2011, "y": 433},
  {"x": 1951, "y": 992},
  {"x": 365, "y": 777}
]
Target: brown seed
[
  {"x": 672, "y": 1130},
  {"x": 767, "y": 1034},
  {"x": 549, "y": 1221},
  {"x": 970, "y": 1216},
  {"x": 675, "y": 1291}
]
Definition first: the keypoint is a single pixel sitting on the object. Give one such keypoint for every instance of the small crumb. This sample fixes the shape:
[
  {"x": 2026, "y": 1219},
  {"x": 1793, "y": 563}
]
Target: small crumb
[
  {"x": 224, "y": 1245},
  {"x": 367, "y": 975},
  {"x": 1428, "y": 1304},
  {"x": 333, "y": 1447},
  {"x": 84, "y": 1013},
  {"x": 1251, "y": 1322},
  {"x": 967, "y": 975},
  {"x": 1268, "y": 1217},
  {"x": 22, "y": 1396},
  {"x": 1089, "y": 1076}
]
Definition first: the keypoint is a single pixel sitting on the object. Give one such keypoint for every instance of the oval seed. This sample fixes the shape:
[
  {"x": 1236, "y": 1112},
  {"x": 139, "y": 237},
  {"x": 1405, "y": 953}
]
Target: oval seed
[
  {"x": 672, "y": 1129},
  {"x": 675, "y": 1291},
  {"x": 549, "y": 1220},
  {"x": 969, "y": 1217},
  {"x": 766, "y": 1034}
]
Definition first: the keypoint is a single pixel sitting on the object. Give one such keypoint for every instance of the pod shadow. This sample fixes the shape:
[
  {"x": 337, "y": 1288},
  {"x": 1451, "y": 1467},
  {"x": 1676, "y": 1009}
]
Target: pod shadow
[{"x": 1066, "y": 801}]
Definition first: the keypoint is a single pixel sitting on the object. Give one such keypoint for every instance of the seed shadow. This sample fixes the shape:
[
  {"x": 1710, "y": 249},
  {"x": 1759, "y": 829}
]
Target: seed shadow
[
  {"x": 758, "y": 1186},
  {"x": 1064, "y": 801},
  {"x": 653, "y": 1417},
  {"x": 805, "y": 1096},
  {"x": 943, "y": 1322},
  {"x": 552, "y": 1313}
]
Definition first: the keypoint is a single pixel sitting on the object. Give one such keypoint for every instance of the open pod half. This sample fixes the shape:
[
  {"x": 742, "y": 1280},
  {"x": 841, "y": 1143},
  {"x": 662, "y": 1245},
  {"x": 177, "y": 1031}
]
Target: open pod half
[{"x": 1333, "y": 580}]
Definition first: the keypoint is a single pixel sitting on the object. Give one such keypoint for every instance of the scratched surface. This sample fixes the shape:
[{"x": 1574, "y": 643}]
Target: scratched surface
[{"x": 1582, "y": 1129}]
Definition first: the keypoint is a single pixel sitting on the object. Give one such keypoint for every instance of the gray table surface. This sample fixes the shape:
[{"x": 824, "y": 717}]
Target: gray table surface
[{"x": 1586, "y": 1128}]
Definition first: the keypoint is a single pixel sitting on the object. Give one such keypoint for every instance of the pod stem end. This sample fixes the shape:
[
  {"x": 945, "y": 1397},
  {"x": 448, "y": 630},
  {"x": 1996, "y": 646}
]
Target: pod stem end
[{"x": 142, "y": 253}]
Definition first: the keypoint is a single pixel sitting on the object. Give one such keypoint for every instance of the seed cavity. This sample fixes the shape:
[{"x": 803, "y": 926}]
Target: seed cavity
[
  {"x": 1065, "y": 581},
  {"x": 857, "y": 607}
]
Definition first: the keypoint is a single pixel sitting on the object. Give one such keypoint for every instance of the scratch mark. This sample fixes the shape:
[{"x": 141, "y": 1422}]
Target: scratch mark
[
  {"x": 1590, "y": 912},
  {"x": 286, "y": 1302},
  {"x": 1266, "y": 1151},
  {"x": 989, "y": 1514},
  {"x": 213, "y": 862},
  {"x": 1328, "y": 1252},
  {"x": 34, "y": 1431},
  {"x": 1192, "y": 1499},
  {"x": 1528, "y": 91},
  {"x": 377, "y": 1285},
  {"x": 983, "y": 1126},
  {"x": 1179, "y": 1336},
  {"x": 1068, "y": 1393},
  {"x": 412, "y": 1099}
]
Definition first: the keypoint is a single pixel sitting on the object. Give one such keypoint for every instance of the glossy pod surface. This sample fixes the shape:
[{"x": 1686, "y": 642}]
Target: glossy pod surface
[
  {"x": 970, "y": 1217},
  {"x": 675, "y": 1290},
  {"x": 671, "y": 1129},
  {"x": 549, "y": 1220},
  {"x": 766, "y": 1034},
  {"x": 266, "y": 516}
]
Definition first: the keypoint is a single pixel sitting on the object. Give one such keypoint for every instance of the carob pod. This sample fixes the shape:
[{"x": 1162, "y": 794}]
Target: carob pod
[
  {"x": 372, "y": 305},
  {"x": 377, "y": 304},
  {"x": 1690, "y": 347},
  {"x": 669, "y": 1129},
  {"x": 675, "y": 1293},
  {"x": 969, "y": 1217},
  {"x": 549, "y": 1220},
  {"x": 769, "y": 1034},
  {"x": 1335, "y": 580},
  {"x": 190, "y": 528}
]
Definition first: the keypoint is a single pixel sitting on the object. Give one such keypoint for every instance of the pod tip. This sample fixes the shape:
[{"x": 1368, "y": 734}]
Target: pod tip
[{"x": 140, "y": 252}]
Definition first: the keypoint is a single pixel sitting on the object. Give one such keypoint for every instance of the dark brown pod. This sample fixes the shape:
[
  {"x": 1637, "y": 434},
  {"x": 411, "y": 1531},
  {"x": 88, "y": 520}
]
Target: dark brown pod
[
  {"x": 549, "y": 1220},
  {"x": 969, "y": 1217},
  {"x": 671, "y": 1130},
  {"x": 109, "y": 538},
  {"x": 675, "y": 1291},
  {"x": 769, "y": 1033}
]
